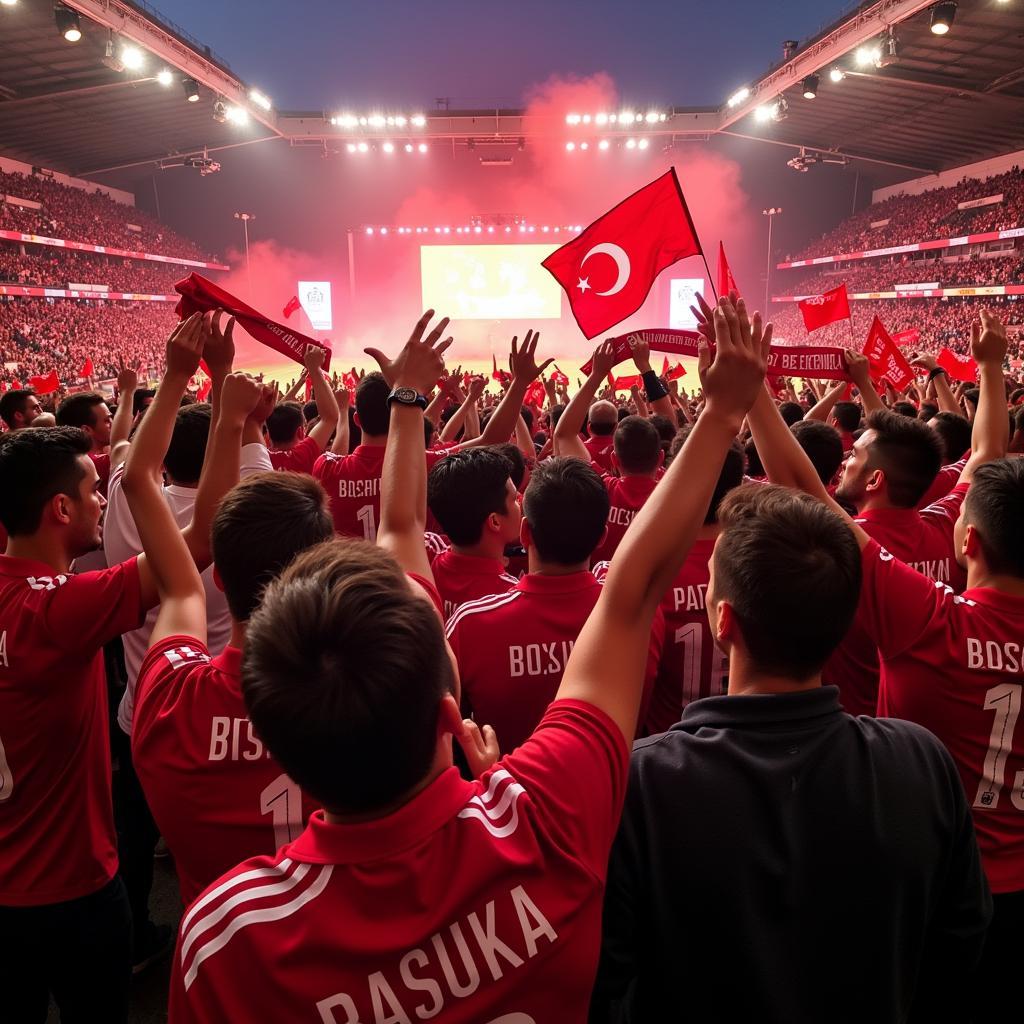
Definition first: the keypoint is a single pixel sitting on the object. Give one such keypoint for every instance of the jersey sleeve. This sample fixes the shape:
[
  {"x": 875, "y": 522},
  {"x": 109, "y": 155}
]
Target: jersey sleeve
[
  {"x": 255, "y": 459},
  {"x": 163, "y": 674},
  {"x": 428, "y": 588},
  {"x": 942, "y": 515},
  {"x": 326, "y": 468},
  {"x": 573, "y": 770}
]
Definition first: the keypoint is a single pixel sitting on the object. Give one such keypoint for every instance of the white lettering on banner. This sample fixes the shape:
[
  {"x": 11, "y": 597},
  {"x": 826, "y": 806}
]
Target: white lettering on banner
[
  {"x": 228, "y": 743},
  {"x": 410, "y": 996},
  {"x": 972, "y": 204},
  {"x": 539, "y": 659}
]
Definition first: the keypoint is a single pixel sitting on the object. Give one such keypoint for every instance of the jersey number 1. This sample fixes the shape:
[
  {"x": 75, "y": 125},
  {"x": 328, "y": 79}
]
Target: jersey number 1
[
  {"x": 282, "y": 799},
  {"x": 1005, "y": 701}
]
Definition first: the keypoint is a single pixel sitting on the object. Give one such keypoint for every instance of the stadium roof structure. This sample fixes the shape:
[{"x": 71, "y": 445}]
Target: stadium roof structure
[{"x": 917, "y": 103}]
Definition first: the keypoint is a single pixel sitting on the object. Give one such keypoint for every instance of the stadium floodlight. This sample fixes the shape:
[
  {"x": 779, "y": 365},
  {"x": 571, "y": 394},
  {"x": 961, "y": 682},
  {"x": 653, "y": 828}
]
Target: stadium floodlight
[
  {"x": 363, "y": 147},
  {"x": 191, "y": 87},
  {"x": 351, "y": 147},
  {"x": 570, "y": 146},
  {"x": 572, "y": 119},
  {"x": 652, "y": 117},
  {"x": 8, "y": 3},
  {"x": 347, "y": 121},
  {"x": 630, "y": 143},
  {"x": 164, "y": 77},
  {"x": 763, "y": 114},
  {"x": 408, "y": 147},
  {"x": 600, "y": 119},
  {"x": 418, "y": 121},
  {"x": 261, "y": 101},
  {"x": 377, "y": 120},
  {"x": 388, "y": 147},
  {"x": 422, "y": 147},
  {"x": 400, "y": 121},
  {"x": 811, "y": 87},
  {"x": 237, "y": 115},
  {"x": 837, "y": 74},
  {"x": 627, "y": 117},
  {"x": 738, "y": 97},
  {"x": 586, "y": 119},
  {"x": 132, "y": 57},
  {"x": 603, "y": 144},
  {"x": 942, "y": 17},
  {"x": 68, "y": 23},
  {"x": 643, "y": 144}
]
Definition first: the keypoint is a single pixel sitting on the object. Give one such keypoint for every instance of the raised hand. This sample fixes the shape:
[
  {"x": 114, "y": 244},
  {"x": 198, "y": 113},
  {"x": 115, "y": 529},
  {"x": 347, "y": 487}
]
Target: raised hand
[
  {"x": 185, "y": 347},
  {"x": 858, "y": 367},
  {"x": 479, "y": 745},
  {"x": 240, "y": 396},
  {"x": 343, "y": 398},
  {"x": 604, "y": 359},
  {"x": 265, "y": 403},
  {"x": 705, "y": 316},
  {"x": 477, "y": 385},
  {"x": 641, "y": 353},
  {"x": 313, "y": 358},
  {"x": 127, "y": 378},
  {"x": 420, "y": 363},
  {"x": 522, "y": 359},
  {"x": 734, "y": 378},
  {"x": 923, "y": 359},
  {"x": 988, "y": 340},
  {"x": 219, "y": 352}
]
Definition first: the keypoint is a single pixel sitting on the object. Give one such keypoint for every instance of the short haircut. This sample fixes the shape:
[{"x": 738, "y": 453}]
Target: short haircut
[
  {"x": 284, "y": 423},
  {"x": 187, "y": 450},
  {"x": 791, "y": 570},
  {"x": 823, "y": 446},
  {"x": 908, "y": 451},
  {"x": 954, "y": 431},
  {"x": 566, "y": 507},
  {"x": 516, "y": 460},
  {"x": 995, "y": 506},
  {"x": 12, "y": 403},
  {"x": 261, "y": 524},
  {"x": 666, "y": 429},
  {"x": 372, "y": 404},
  {"x": 791, "y": 412},
  {"x": 730, "y": 477},
  {"x": 463, "y": 489},
  {"x": 905, "y": 409},
  {"x": 847, "y": 415},
  {"x": 310, "y": 411},
  {"x": 927, "y": 411},
  {"x": 637, "y": 445},
  {"x": 527, "y": 414},
  {"x": 343, "y": 674},
  {"x": 36, "y": 464},
  {"x": 602, "y": 418},
  {"x": 555, "y": 414},
  {"x": 79, "y": 410},
  {"x": 139, "y": 399}
]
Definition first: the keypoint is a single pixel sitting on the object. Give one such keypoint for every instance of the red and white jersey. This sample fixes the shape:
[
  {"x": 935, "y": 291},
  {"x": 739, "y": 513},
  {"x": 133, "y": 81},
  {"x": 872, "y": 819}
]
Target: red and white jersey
[
  {"x": 512, "y": 649},
  {"x": 57, "y": 838},
  {"x": 924, "y": 540},
  {"x": 474, "y": 903},
  {"x": 600, "y": 449},
  {"x": 627, "y": 495},
  {"x": 692, "y": 665},
  {"x": 462, "y": 578},
  {"x": 301, "y": 458},
  {"x": 954, "y": 663},
  {"x": 216, "y": 794},
  {"x": 945, "y": 480},
  {"x": 435, "y": 543},
  {"x": 101, "y": 460}
]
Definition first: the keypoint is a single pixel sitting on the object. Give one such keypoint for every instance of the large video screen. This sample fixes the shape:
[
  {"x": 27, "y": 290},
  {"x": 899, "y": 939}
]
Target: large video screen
[{"x": 489, "y": 282}]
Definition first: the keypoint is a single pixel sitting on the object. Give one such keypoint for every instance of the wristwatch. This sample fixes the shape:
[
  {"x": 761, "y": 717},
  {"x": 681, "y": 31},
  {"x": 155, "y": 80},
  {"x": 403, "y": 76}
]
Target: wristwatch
[{"x": 407, "y": 396}]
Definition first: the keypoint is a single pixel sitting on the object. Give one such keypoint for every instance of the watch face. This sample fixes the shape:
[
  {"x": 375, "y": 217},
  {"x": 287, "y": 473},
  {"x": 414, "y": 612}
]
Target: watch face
[{"x": 405, "y": 395}]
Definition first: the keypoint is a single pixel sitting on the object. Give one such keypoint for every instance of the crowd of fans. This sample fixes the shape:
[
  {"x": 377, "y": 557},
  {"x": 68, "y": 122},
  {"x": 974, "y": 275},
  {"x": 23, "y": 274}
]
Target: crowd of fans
[{"x": 58, "y": 268}]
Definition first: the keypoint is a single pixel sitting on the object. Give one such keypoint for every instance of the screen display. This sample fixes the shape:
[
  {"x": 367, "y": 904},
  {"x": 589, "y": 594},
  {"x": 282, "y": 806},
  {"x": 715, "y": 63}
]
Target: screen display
[
  {"x": 684, "y": 295},
  {"x": 315, "y": 297},
  {"x": 489, "y": 282}
]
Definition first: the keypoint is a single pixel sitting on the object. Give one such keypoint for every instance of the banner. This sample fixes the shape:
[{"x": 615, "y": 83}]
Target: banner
[
  {"x": 973, "y": 204},
  {"x": 108, "y": 250},
  {"x": 917, "y": 286},
  {"x": 904, "y": 339},
  {"x": 28, "y": 204},
  {"x": 879, "y": 223}
]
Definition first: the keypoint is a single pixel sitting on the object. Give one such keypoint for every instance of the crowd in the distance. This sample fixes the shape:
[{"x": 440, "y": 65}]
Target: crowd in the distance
[{"x": 376, "y": 663}]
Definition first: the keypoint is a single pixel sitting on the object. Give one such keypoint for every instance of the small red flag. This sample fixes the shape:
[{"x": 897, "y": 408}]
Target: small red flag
[
  {"x": 726, "y": 282},
  {"x": 44, "y": 385},
  {"x": 87, "y": 370},
  {"x": 907, "y": 338},
  {"x": 625, "y": 383},
  {"x": 536, "y": 394},
  {"x": 958, "y": 367},
  {"x": 290, "y": 306},
  {"x": 607, "y": 271},
  {"x": 558, "y": 377},
  {"x": 676, "y": 372},
  {"x": 204, "y": 390},
  {"x": 821, "y": 310},
  {"x": 885, "y": 358}
]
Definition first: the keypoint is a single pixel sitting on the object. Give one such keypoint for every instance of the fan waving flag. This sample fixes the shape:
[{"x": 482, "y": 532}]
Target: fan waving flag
[
  {"x": 958, "y": 367},
  {"x": 607, "y": 271},
  {"x": 885, "y": 359},
  {"x": 87, "y": 369},
  {"x": 726, "y": 282},
  {"x": 827, "y": 308},
  {"x": 44, "y": 384}
]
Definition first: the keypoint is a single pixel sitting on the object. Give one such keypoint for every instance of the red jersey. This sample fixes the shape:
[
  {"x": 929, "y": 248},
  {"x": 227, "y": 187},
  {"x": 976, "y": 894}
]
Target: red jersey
[
  {"x": 57, "y": 838},
  {"x": 945, "y": 480},
  {"x": 955, "y": 664},
  {"x": 462, "y": 578},
  {"x": 474, "y": 902},
  {"x": 924, "y": 540},
  {"x": 101, "y": 460},
  {"x": 627, "y": 495},
  {"x": 216, "y": 794},
  {"x": 601, "y": 449},
  {"x": 512, "y": 649},
  {"x": 692, "y": 666},
  {"x": 299, "y": 459}
]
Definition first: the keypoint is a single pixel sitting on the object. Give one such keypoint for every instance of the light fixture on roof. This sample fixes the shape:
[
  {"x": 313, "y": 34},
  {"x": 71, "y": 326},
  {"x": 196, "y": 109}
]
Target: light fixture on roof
[
  {"x": 191, "y": 87},
  {"x": 738, "y": 97},
  {"x": 837, "y": 74},
  {"x": 811, "y": 87},
  {"x": 780, "y": 109},
  {"x": 763, "y": 114},
  {"x": 865, "y": 55},
  {"x": 890, "y": 50},
  {"x": 132, "y": 57},
  {"x": 164, "y": 77},
  {"x": 237, "y": 115},
  {"x": 68, "y": 23},
  {"x": 220, "y": 111},
  {"x": 942, "y": 17},
  {"x": 8, "y": 3},
  {"x": 418, "y": 121},
  {"x": 261, "y": 101}
]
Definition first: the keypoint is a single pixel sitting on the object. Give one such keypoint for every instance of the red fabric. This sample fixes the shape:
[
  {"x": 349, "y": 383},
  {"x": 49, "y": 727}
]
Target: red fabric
[
  {"x": 44, "y": 385},
  {"x": 626, "y": 496},
  {"x": 300, "y": 458},
  {"x": 461, "y": 578},
  {"x": 907, "y": 338},
  {"x": 886, "y": 359},
  {"x": 600, "y": 447},
  {"x": 673, "y": 373},
  {"x": 558, "y": 377},
  {"x": 625, "y": 383},
  {"x": 204, "y": 390},
  {"x": 290, "y": 307},
  {"x": 726, "y": 282},
  {"x": 535, "y": 394},
  {"x": 822, "y": 310},
  {"x": 200, "y": 295},
  {"x": 87, "y": 370},
  {"x": 958, "y": 367},
  {"x": 651, "y": 229}
]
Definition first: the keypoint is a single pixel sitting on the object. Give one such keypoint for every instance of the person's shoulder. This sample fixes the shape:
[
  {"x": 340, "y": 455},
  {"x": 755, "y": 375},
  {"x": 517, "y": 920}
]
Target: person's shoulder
[
  {"x": 483, "y": 608},
  {"x": 905, "y": 743}
]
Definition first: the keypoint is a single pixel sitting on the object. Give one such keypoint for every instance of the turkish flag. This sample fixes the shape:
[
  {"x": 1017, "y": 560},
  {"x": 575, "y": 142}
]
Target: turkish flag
[
  {"x": 822, "y": 310},
  {"x": 907, "y": 338},
  {"x": 87, "y": 370},
  {"x": 44, "y": 385},
  {"x": 535, "y": 394},
  {"x": 558, "y": 377},
  {"x": 204, "y": 390},
  {"x": 885, "y": 358},
  {"x": 726, "y": 282},
  {"x": 607, "y": 272},
  {"x": 291, "y": 306},
  {"x": 958, "y": 367},
  {"x": 676, "y": 372}
]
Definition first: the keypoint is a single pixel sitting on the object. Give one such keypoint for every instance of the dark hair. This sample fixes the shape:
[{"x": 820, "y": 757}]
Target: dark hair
[
  {"x": 566, "y": 506},
  {"x": 955, "y": 433},
  {"x": 428, "y": 432},
  {"x": 187, "y": 450},
  {"x": 372, "y": 404},
  {"x": 753, "y": 457},
  {"x": 261, "y": 524},
  {"x": 847, "y": 415},
  {"x": 973, "y": 395},
  {"x": 516, "y": 461},
  {"x": 730, "y": 477},
  {"x": 927, "y": 411},
  {"x": 527, "y": 414},
  {"x": 995, "y": 507},
  {"x": 791, "y": 570},
  {"x": 310, "y": 411},
  {"x": 343, "y": 674},
  {"x": 823, "y": 445},
  {"x": 139, "y": 399},
  {"x": 908, "y": 451},
  {"x": 12, "y": 403},
  {"x": 637, "y": 445},
  {"x": 79, "y": 410},
  {"x": 905, "y": 409},
  {"x": 36, "y": 464},
  {"x": 284, "y": 422},
  {"x": 555, "y": 414},
  {"x": 791, "y": 412},
  {"x": 666, "y": 429},
  {"x": 463, "y": 489}
]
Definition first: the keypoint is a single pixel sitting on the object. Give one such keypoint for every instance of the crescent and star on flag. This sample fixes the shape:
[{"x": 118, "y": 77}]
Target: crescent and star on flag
[{"x": 618, "y": 254}]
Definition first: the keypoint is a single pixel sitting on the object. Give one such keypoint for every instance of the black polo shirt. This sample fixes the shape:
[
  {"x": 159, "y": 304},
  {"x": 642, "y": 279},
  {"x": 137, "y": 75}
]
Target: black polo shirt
[{"x": 780, "y": 860}]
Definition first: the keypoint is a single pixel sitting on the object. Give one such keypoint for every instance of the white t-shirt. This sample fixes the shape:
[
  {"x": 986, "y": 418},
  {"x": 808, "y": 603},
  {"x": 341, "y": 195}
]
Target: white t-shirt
[{"x": 121, "y": 542}]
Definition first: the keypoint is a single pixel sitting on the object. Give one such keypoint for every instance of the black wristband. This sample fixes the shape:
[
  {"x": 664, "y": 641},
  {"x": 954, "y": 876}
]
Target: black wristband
[
  {"x": 653, "y": 386},
  {"x": 932, "y": 374}
]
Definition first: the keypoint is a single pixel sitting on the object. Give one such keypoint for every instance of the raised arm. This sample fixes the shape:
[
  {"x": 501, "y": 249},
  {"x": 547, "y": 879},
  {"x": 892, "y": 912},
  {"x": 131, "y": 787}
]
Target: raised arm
[
  {"x": 121, "y": 427},
  {"x": 342, "y": 436},
  {"x": 566, "y": 436},
  {"x": 824, "y": 406},
  {"x": 859, "y": 369},
  {"x": 293, "y": 392},
  {"x": 460, "y": 419},
  {"x": 326, "y": 403},
  {"x": 218, "y": 354},
  {"x": 990, "y": 433},
  {"x": 607, "y": 664},
  {"x": 938, "y": 380}
]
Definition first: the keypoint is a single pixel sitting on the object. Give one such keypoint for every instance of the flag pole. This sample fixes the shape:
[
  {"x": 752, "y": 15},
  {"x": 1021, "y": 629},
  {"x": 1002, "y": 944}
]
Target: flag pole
[{"x": 711, "y": 280}]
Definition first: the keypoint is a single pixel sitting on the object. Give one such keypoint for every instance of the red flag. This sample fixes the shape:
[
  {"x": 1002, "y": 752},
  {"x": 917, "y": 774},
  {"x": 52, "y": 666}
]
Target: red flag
[
  {"x": 494, "y": 372},
  {"x": 44, "y": 385},
  {"x": 726, "y": 282},
  {"x": 199, "y": 295},
  {"x": 885, "y": 358},
  {"x": 907, "y": 338},
  {"x": 676, "y": 372},
  {"x": 290, "y": 306},
  {"x": 958, "y": 367},
  {"x": 558, "y": 377},
  {"x": 87, "y": 370},
  {"x": 636, "y": 241},
  {"x": 536, "y": 394},
  {"x": 350, "y": 380},
  {"x": 204, "y": 390},
  {"x": 821, "y": 310},
  {"x": 625, "y": 383}
]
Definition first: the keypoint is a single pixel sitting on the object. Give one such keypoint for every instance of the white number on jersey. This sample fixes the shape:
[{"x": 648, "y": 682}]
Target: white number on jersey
[
  {"x": 366, "y": 516},
  {"x": 691, "y": 636},
  {"x": 282, "y": 799},
  {"x": 1005, "y": 701},
  {"x": 3, "y": 649},
  {"x": 6, "y": 776}
]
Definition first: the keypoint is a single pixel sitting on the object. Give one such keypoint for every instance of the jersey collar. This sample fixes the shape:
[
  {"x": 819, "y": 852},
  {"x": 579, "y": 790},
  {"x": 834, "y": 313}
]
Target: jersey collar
[
  {"x": 571, "y": 583},
  {"x": 767, "y": 710}
]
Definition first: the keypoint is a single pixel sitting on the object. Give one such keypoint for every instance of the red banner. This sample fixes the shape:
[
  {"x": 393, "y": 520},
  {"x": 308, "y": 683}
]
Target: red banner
[
  {"x": 827, "y": 308},
  {"x": 907, "y": 338},
  {"x": 44, "y": 385},
  {"x": 886, "y": 359},
  {"x": 958, "y": 367}
]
